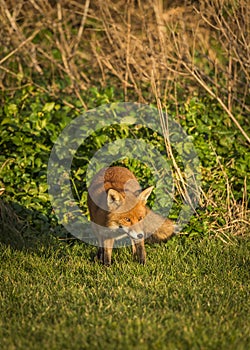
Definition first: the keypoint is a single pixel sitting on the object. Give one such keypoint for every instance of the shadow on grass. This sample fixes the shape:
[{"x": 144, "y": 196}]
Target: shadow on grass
[{"x": 29, "y": 230}]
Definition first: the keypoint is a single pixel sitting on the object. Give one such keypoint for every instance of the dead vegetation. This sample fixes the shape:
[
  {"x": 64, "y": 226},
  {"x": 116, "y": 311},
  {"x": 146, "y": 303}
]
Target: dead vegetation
[
  {"x": 236, "y": 218},
  {"x": 136, "y": 44}
]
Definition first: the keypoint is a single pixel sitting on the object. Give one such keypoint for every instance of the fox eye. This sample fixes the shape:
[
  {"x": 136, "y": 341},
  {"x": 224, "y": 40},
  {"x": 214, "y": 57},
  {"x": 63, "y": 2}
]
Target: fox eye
[
  {"x": 140, "y": 218},
  {"x": 127, "y": 219}
]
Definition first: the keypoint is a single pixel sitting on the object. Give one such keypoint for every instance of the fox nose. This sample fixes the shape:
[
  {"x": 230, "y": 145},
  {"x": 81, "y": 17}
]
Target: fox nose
[{"x": 140, "y": 235}]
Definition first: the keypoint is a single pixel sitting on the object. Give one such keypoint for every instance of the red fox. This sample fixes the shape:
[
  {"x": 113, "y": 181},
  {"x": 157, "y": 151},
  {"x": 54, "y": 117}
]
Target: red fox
[{"x": 117, "y": 207}]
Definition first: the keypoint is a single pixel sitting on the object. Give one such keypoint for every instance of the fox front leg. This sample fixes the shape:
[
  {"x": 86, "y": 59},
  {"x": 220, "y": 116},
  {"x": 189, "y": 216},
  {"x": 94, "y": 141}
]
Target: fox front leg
[
  {"x": 99, "y": 254},
  {"x": 138, "y": 249},
  {"x": 107, "y": 251},
  {"x": 100, "y": 250}
]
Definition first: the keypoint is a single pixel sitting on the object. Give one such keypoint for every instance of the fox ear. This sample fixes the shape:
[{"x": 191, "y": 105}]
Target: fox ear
[
  {"x": 145, "y": 194},
  {"x": 114, "y": 199}
]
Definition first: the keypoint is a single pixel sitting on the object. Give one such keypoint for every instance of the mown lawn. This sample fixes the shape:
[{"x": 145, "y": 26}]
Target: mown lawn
[{"x": 192, "y": 294}]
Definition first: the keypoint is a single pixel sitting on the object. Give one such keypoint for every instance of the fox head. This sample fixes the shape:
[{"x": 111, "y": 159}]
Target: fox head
[{"x": 127, "y": 210}]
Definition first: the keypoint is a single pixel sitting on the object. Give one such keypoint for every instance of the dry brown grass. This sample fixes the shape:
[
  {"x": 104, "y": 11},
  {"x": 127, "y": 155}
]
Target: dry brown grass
[
  {"x": 136, "y": 44},
  {"x": 229, "y": 217}
]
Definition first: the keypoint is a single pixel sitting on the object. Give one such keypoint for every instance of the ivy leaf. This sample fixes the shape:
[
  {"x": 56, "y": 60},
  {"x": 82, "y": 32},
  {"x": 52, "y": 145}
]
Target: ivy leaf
[{"x": 49, "y": 106}]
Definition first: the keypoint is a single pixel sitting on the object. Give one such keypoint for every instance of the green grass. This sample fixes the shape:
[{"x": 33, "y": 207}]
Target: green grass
[{"x": 192, "y": 294}]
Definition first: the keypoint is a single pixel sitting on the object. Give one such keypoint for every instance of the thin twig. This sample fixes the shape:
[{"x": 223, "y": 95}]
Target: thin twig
[
  {"x": 81, "y": 28},
  {"x": 19, "y": 46}
]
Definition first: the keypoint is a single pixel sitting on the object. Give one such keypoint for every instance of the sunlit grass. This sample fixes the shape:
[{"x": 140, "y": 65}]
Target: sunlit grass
[{"x": 190, "y": 295}]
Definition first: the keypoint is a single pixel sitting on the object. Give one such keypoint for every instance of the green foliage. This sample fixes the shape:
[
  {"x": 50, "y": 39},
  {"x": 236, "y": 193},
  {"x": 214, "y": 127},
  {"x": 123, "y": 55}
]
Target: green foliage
[
  {"x": 29, "y": 125},
  {"x": 31, "y": 122},
  {"x": 221, "y": 148}
]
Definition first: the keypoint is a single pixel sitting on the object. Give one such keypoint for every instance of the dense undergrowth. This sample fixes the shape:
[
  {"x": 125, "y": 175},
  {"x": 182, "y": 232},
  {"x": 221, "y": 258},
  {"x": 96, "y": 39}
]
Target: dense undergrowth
[{"x": 32, "y": 121}]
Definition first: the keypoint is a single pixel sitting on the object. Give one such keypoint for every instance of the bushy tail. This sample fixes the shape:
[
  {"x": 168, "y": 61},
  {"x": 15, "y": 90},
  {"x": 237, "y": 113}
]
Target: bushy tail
[{"x": 157, "y": 229}]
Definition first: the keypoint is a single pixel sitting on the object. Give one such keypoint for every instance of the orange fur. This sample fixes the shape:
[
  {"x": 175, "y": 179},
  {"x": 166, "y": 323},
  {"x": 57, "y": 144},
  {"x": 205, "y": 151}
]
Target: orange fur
[{"x": 117, "y": 207}]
